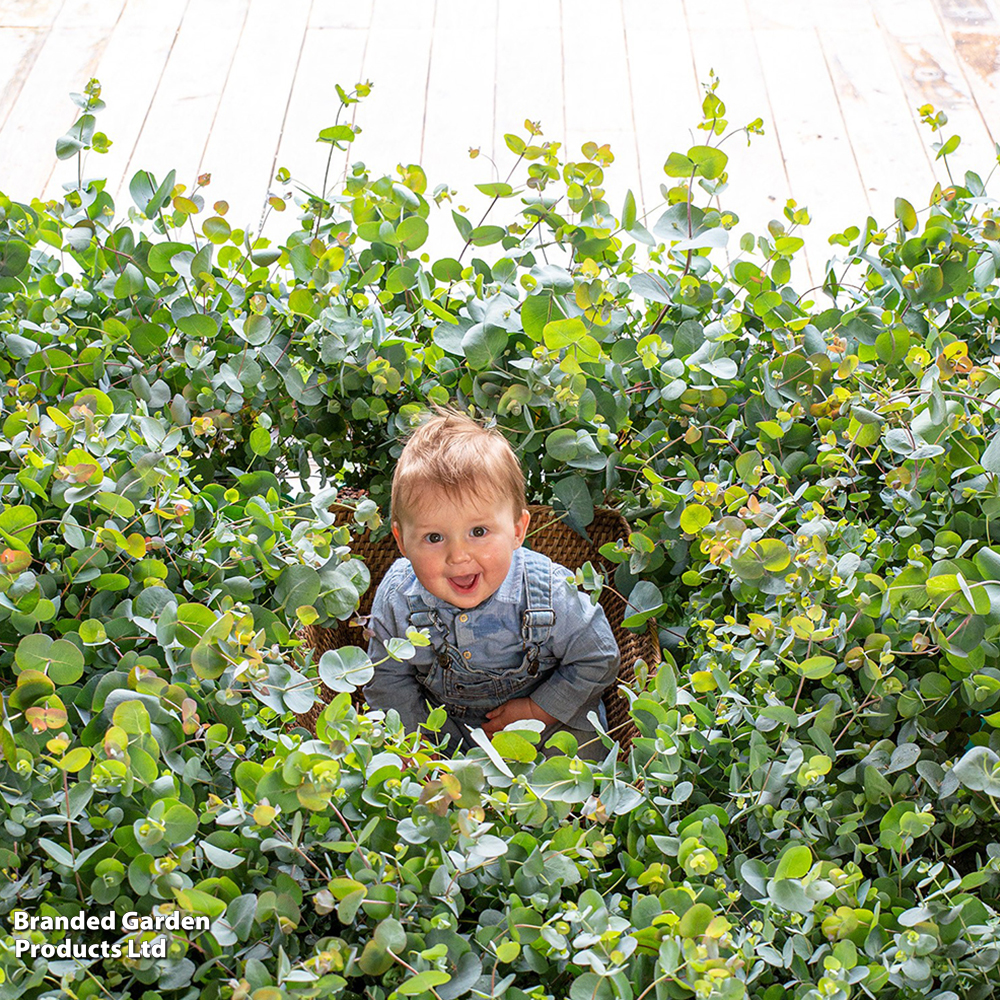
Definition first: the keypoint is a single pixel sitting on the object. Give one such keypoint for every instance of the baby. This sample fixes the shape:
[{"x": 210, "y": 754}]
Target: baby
[{"x": 510, "y": 637}]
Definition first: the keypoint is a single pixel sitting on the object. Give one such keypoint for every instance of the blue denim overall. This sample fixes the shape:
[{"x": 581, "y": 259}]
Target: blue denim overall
[{"x": 469, "y": 690}]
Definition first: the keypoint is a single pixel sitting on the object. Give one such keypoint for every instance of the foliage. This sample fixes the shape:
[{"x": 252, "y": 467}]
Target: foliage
[{"x": 810, "y": 806}]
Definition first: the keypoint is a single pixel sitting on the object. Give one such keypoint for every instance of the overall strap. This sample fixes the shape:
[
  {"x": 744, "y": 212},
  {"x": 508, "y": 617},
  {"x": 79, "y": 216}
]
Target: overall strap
[{"x": 539, "y": 618}]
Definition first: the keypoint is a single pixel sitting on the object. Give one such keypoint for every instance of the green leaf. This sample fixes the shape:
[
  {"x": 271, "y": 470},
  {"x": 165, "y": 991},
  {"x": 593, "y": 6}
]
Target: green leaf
[
  {"x": 678, "y": 165},
  {"x": 336, "y": 133},
  {"x": 694, "y": 517},
  {"x": 628, "y": 211},
  {"x": 76, "y": 760},
  {"x": 512, "y": 746},
  {"x": 695, "y": 920},
  {"x": 561, "y": 444},
  {"x": 389, "y": 934},
  {"x": 560, "y": 779},
  {"x": 17, "y": 526},
  {"x": 990, "y": 459},
  {"x": 193, "y": 620},
  {"x": 795, "y": 862},
  {"x": 61, "y": 660},
  {"x": 260, "y": 441},
  {"x": 949, "y": 147},
  {"x": 563, "y": 332},
  {"x": 160, "y": 259},
  {"x": 495, "y": 190},
  {"x": 906, "y": 214},
  {"x": 573, "y": 495},
  {"x": 219, "y": 858},
  {"x": 131, "y": 716},
  {"x": 484, "y": 236},
  {"x": 446, "y": 269},
  {"x": 347, "y": 668},
  {"x": 817, "y": 667},
  {"x": 412, "y": 233},
  {"x": 709, "y": 162},
  {"x": 296, "y": 586},
  {"x": 14, "y": 255},
  {"x": 116, "y": 505},
  {"x": 643, "y": 603},
  {"x": 422, "y": 982},
  {"x": 789, "y": 895},
  {"x": 180, "y": 823},
  {"x": 893, "y": 345}
]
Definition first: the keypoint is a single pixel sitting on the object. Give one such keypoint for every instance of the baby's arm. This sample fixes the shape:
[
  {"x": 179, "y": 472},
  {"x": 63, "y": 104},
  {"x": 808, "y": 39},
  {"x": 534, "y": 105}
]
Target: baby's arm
[{"x": 513, "y": 711}]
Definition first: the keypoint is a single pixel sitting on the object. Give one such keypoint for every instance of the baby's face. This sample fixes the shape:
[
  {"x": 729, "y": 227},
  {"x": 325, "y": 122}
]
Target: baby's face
[{"x": 461, "y": 550}]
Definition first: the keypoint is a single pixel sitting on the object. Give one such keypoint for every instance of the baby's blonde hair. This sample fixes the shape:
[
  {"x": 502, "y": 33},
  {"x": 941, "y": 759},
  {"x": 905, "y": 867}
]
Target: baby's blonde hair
[{"x": 450, "y": 451}]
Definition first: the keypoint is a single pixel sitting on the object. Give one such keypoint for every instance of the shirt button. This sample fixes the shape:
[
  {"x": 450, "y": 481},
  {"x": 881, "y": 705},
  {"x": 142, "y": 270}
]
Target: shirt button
[
  {"x": 463, "y": 618},
  {"x": 467, "y": 654}
]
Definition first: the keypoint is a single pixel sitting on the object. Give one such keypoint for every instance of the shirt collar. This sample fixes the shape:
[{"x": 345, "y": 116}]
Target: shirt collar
[{"x": 509, "y": 592}]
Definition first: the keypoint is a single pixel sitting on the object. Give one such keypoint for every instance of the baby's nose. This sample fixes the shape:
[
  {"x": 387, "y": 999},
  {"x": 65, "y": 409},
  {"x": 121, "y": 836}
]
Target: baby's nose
[{"x": 457, "y": 553}]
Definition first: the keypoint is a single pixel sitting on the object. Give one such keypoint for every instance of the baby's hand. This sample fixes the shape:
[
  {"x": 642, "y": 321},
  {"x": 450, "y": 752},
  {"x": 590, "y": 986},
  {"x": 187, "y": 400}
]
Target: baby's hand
[{"x": 513, "y": 711}]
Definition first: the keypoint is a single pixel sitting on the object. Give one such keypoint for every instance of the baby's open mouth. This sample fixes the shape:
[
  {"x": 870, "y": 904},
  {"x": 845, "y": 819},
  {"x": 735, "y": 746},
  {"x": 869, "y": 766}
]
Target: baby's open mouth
[{"x": 464, "y": 583}]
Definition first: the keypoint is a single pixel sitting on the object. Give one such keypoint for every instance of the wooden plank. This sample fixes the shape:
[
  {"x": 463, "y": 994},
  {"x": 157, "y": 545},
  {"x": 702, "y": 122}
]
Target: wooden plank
[
  {"x": 822, "y": 169},
  {"x": 337, "y": 14},
  {"x": 598, "y": 92},
  {"x": 891, "y": 154},
  {"x": 42, "y": 112},
  {"x": 973, "y": 29},
  {"x": 19, "y": 47},
  {"x": 842, "y": 15},
  {"x": 706, "y": 15},
  {"x": 129, "y": 70},
  {"x": 660, "y": 62},
  {"x": 179, "y": 123},
  {"x": 460, "y": 87},
  {"x": 397, "y": 15},
  {"x": 240, "y": 159},
  {"x": 298, "y": 150},
  {"x": 758, "y": 186},
  {"x": 396, "y": 62},
  {"x": 29, "y": 13},
  {"x": 529, "y": 70},
  {"x": 459, "y": 115},
  {"x": 931, "y": 74}
]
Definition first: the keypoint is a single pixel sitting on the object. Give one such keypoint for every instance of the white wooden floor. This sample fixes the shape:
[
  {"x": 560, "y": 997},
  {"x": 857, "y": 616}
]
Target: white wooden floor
[{"x": 240, "y": 87}]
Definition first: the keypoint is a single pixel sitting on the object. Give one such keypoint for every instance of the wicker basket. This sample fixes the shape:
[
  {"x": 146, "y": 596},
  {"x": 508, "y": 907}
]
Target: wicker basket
[{"x": 546, "y": 534}]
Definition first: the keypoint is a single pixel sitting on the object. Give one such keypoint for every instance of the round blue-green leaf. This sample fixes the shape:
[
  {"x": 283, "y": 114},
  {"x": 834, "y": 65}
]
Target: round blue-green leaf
[
  {"x": 561, "y": 444},
  {"x": 446, "y": 269},
  {"x": 644, "y": 602},
  {"x": 346, "y": 668},
  {"x": 193, "y": 620},
  {"x": 560, "y": 779},
  {"x": 180, "y": 823},
  {"x": 260, "y": 441},
  {"x": 161, "y": 256},
  {"x": 297, "y": 586},
  {"x": 116, "y": 505},
  {"x": 794, "y": 863},
  {"x": 412, "y": 232}
]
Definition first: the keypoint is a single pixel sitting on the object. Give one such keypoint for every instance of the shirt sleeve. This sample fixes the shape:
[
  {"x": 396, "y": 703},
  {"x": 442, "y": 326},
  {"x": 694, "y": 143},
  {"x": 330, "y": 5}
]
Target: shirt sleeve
[
  {"x": 395, "y": 684},
  {"x": 585, "y": 651}
]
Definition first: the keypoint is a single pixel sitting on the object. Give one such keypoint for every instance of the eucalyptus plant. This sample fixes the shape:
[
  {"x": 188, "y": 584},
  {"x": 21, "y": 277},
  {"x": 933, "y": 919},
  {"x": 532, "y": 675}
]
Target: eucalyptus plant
[{"x": 810, "y": 807}]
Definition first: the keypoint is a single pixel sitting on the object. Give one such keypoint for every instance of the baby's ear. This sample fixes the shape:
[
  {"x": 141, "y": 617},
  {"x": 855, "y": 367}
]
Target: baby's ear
[
  {"x": 398, "y": 535},
  {"x": 521, "y": 526}
]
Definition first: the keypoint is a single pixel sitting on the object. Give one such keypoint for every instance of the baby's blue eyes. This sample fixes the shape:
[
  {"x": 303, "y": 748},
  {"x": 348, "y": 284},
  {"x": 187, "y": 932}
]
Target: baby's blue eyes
[{"x": 434, "y": 537}]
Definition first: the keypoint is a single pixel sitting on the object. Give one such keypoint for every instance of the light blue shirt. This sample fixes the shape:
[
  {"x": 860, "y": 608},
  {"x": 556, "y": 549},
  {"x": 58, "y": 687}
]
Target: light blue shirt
[{"x": 477, "y": 658}]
